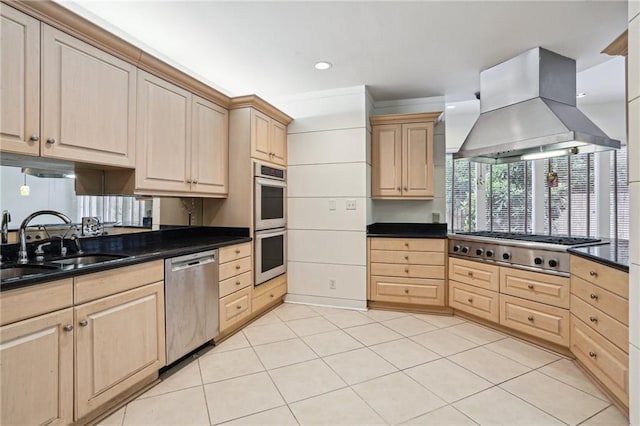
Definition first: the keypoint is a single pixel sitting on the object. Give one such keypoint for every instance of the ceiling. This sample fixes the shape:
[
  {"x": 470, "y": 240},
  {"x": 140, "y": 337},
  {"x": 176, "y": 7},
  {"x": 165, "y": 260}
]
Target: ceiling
[{"x": 398, "y": 49}]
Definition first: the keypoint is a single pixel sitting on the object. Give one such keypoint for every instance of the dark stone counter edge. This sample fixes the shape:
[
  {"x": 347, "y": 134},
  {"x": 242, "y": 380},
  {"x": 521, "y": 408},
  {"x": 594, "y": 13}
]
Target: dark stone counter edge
[
  {"x": 406, "y": 236},
  {"x": 407, "y": 230},
  {"x": 119, "y": 263},
  {"x": 607, "y": 262}
]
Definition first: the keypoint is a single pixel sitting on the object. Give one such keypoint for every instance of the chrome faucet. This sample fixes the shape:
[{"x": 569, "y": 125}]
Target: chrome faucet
[
  {"x": 22, "y": 253},
  {"x": 6, "y": 218}
]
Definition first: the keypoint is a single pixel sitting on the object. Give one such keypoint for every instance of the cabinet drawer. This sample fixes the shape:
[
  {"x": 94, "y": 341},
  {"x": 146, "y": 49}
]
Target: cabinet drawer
[
  {"x": 235, "y": 252},
  {"x": 235, "y": 307},
  {"x": 27, "y": 302},
  {"x": 613, "y": 330},
  {"x": 603, "y": 276},
  {"x": 538, "y": 287},
  {"x": 477, "y": 301},
  {"x": 474, "y": 273},
  {"x": 608, "y": 363},
  {"x": 233, "y": 268},
  {"x": 543, "y": 321},
  {"x": 400, "y": 290},
  {"x": 408, "y": 271},
  {"x": 232, "y": 284},
  {"x": 105, "y": 283},
  {"x": 268, "y": 297},
  {"x": 408, "y": 244},
  {"x": 609, "y": 303},
  {"x": 407, "y": 257}
]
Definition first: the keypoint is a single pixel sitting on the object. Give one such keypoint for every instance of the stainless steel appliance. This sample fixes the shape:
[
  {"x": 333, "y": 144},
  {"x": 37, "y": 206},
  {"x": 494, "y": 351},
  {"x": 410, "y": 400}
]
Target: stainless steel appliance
[
  {"x": 271, "y": 254},
  {"x": 528, "y": 111},
  {"x": 542, "y": 253},
  {"x": 191, "y": 302},
  {"x": 270, "y": 197}
]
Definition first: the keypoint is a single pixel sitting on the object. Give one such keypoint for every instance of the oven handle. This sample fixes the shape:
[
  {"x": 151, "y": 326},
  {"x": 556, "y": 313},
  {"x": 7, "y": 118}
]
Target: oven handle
[
  {"x": 271, "y": 182},
  {"x": 270, "y": 233}
]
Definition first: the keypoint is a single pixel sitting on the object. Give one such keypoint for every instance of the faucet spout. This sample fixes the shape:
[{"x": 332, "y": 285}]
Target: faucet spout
[
  {"x": 22, "y": 253},
  {"x": 6, "y": 218}
]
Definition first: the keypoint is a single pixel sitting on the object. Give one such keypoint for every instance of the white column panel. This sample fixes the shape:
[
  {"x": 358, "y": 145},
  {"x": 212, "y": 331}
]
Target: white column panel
[
  {"x": 314, "y": 279},
  {"x": 633, "y": 82},
  {"x": 537, "y": 193},
  {"x": 634, "y": 385},
  {"x": 326, "y": 214},
  {"x": 330, "y": 146},
  {"x": 327, "y": 180},
  {"x": 633, "y": 144},
  {"x": 634, "y": 308},
  {"x": 634, "y": 223},
  {"x": 337, "y": 247}
]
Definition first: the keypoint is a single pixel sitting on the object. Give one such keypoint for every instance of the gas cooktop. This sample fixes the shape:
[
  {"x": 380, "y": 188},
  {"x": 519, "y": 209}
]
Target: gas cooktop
[{"x": 563, "y": 240}]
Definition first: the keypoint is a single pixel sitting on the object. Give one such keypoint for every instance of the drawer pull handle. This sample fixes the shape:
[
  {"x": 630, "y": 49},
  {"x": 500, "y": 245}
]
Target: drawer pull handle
[
  {"x": 68, "y": 327},
  {"x": 237, "y": 251},
  {"x": 237, "y": 282},
  {"x": 593, "y": 319},
  {"x": 398, "y": 189},
  {"x": 470, "y": 300},
  {"x": 238, "y": 307},
  {"x": 593, "y": 273},
  {"x": 470, "y": 273},
  {"x": 84, "y": 323},
  {"x": 530, "y": 286},
  {"x": 406, "y": 270},
  {"x": 272, "y": 295},
  {"x": 594, "y": 296},
  {"x": 406, "y": 189},
  {"x": 592, "y": 354},
  {"x": 406, "y": 291},
  {"x": 237, "y": 266},
  {"x": 406, "y": 257},
  {"x": 406, "y": 244},
  {"x": 530, "y": 318}
]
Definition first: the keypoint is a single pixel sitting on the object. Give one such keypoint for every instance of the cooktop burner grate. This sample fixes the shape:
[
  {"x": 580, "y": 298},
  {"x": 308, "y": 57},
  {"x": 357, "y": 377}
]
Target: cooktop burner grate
[{"x": 548, "y": 239}]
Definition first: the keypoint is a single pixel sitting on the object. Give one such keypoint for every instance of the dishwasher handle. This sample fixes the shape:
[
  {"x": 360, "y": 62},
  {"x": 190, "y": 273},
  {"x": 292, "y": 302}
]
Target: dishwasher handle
[{"x": 192, "y": 261}]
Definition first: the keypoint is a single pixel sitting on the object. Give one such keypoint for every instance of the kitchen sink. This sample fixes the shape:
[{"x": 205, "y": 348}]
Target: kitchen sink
[
  {"x": 88, "y": 259},
  {"x": 19, "y": 271}
]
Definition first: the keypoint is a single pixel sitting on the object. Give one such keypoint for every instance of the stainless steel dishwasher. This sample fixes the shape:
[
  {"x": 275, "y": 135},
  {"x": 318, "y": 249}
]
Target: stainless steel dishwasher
[{"x": 191, "y": 302}]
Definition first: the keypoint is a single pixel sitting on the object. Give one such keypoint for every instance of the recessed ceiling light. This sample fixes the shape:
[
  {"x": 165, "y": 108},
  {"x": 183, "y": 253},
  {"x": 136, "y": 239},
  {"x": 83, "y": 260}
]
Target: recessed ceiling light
[
  {"x": 322, "y": 65},
  {"x": 581, "y": 95},
  {"x": 451, "y": 106}
]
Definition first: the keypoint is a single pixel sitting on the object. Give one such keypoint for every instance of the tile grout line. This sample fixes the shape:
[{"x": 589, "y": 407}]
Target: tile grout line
[
  {"x": 206, "y": 401},
  {"x": 599, "y": 412},
  {"x": 569, "y": 384}
]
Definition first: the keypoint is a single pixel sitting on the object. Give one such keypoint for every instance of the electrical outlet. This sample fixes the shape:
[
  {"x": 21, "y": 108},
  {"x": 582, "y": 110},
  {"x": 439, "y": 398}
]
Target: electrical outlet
[
  {"x": 351, "y": 204},
  {"x": 332, "y": 284}
]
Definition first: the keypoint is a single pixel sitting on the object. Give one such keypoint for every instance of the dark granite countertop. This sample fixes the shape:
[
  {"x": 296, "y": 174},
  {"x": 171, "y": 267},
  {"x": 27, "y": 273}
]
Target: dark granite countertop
[
  {"x": 138, "y": 248},
  {"x": 407, "y": 230},
  {"x": 614, "y": 254}
]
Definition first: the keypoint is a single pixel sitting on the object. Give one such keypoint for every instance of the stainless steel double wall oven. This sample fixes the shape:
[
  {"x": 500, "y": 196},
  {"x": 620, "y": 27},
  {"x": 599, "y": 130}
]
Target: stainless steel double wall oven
[{"x": 270, "y": 235}]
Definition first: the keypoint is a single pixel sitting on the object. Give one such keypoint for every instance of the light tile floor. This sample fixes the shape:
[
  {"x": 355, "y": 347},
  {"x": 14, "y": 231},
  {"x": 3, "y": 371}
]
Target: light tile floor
[{"x": 305, "y": 365}]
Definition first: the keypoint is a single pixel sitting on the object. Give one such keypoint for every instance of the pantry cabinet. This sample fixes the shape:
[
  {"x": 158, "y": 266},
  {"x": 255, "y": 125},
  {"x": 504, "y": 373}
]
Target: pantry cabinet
[
  {"x": 20, "y": 80},
  {"x": 268, "y": 139},
  {"x": 88, "y": 102},
  {"x": 402, "y": 156},
  {"x": 182, "y": 141}
]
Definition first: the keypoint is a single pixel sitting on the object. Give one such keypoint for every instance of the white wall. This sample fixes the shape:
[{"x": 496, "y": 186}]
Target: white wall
[
  {"x": 633, "y": 95},
  {"x": 45, "y": 194},
  {"x": 328, "y": 166},
  {"x": 420, "y": 211}
]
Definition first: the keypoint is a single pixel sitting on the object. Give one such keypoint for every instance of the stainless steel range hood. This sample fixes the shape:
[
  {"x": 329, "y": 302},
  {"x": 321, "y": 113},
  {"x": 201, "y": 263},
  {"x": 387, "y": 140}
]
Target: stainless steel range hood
[{"x": 528, "y": 111}]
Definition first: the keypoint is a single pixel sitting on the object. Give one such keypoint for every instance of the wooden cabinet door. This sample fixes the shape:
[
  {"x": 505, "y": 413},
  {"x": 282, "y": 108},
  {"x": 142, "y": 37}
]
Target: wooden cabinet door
[
  {"x": 260, "y": 136},
  {"x": 20, "y": 82},
  {"x": 417, "y": 160},
  {"x": 278, "y": 143},
  {"x": 209, "y": 148},
  {"x": 163, "y": 136},
  {"x": 88, "y": 102},
  {"x": 120, "y": 341},
  {"x": 36, "y": 356},
  {"x": 386, "y": 159}
]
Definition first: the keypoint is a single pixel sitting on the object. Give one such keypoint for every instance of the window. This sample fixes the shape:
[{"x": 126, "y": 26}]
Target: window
[
  {"x": 505, "y": 198},
  {"x": 122, "y": 210}
]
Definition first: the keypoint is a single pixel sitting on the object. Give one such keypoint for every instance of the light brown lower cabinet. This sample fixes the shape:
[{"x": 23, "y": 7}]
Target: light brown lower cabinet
[
  {"x": 119, "y": 341},
  {"x": 36, "y": 358},
  {"x": 268, "y": 293},
  {"x": 234, "y": 308},
  {"x": 537, "y": 319},
  {"x": 408, "y": 290},
  {"x": 474, "y": 300}
]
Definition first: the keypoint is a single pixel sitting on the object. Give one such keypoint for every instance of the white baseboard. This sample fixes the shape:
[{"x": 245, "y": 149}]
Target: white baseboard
[{"x": 329, "y": 302}]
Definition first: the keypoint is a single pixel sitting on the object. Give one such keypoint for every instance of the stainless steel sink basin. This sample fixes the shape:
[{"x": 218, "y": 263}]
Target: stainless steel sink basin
[
  {"x": 19, "y": 271},
  {"x": 88, "y": 259}
]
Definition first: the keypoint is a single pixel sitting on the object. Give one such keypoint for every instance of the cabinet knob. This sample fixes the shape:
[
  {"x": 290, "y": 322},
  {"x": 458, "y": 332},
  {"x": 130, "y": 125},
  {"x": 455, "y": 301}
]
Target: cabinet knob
[
  {"x": 406, "y": 270},
  {"x": 195, "y": 182},
  {"x": 470, "y": 300},
  {"x": 237, "y": 251},
  {"x": 470, "y": 273},
  {"x": 51, "y": 141},
  {"x": 530, "y": 286},
  {"x": 530, "y": 318},
  {"x": 84, "y": 323},
  {"x": 189, "y": 181},
  {"x": 237, "y": 266},
  {"x": 406, "y": 258},
  {"x": 593, "y": 319},
  {"x": 594, "y": 296},
  {"x": 237, "y": 282},
  {"x": 68, "y": 327},
  {"x": 34, "y": 138},
  {"x": 592, "y": 354},
  {"x": 593, "y": 273},
  {"x": 238, "y": 307},
  {"x": 406, "y": 245},
  {"x": 406, "y": 189},
  {"x": 398, "y": 189},
  {"x": 272, "y": 295},
  {"x": 406, "y": 291}
]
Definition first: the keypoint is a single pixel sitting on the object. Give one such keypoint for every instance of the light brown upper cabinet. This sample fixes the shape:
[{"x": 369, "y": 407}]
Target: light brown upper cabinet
[
  {"x": 268, "y": 139},
  {"x": 402, "y": 156},
  {"x": 20, "y": 75},
  {"x": 182, "y": 141},
  {"x": 88, "y": 102}
]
